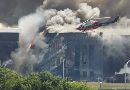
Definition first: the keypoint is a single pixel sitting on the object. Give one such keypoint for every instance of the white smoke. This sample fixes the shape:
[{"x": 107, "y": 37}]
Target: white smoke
[
  {"x": 64, "y": 20},
  {"x": 114, "y": 37},
  {"x": 87, "y": 11},
  {"x": 114, "y": 44},
  {"x": 2, "y": 26},
  {"x": 67, "y": 20},
  {"x": 124, "y": 70},
  {"x": 29, "y": 27},
  {"x": 116, "y": 41}
]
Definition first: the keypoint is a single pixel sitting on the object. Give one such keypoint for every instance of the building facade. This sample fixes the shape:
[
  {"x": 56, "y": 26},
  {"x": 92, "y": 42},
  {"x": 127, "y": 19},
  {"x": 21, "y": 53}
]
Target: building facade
[
  {"x": 74, "y": 55},
  {"x": 8, "y": 43}
]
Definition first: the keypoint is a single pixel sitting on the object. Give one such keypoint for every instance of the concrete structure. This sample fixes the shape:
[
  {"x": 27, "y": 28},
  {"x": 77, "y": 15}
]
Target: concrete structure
[
  {"x": 85, "y": 57},
  {"x": 80, "y": 53},
  {"x": 8, "y": 43}
]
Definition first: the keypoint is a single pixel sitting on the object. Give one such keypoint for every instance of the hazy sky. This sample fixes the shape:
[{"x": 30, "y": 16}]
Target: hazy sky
[{"x": 12, "y": 10}]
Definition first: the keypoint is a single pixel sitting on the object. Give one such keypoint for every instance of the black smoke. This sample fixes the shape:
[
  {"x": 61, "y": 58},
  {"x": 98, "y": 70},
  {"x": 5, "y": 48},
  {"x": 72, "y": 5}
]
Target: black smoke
[
  {"x": 113, "y": 7},
  {"x": 61, "y": 4},
  {"x": 12, "y": 10}
]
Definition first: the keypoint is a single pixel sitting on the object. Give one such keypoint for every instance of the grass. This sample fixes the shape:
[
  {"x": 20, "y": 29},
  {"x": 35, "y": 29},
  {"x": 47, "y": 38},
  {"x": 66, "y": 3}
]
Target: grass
[{"x": 109, "y": 85}]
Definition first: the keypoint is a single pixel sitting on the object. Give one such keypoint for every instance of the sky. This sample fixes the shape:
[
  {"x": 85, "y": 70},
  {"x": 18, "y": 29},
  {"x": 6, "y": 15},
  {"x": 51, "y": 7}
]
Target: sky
[{"x": 12, "y": 10}]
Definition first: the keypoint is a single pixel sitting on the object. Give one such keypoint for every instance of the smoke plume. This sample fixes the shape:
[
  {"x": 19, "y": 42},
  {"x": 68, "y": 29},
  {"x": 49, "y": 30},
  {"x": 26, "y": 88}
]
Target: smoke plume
[
  {"x": 124, "y": 70},
  {"x": 15, "y": 9},
  {"x": 116, "y": 45},
  {"x": 24, "y": 57},
  {"x": 64, "y": 16},
  {"x": 111, "y": 7},
  {"x": 68, "y": 19},
  {"x": 54, "y": 20}
]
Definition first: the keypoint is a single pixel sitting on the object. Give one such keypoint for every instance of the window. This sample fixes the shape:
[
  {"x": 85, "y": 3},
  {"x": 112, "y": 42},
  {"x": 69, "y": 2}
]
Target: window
[{"x": 84, "y": 74}]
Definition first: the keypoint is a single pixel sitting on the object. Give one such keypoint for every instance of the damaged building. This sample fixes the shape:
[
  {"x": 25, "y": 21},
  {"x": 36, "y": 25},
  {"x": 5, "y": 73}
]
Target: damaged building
[
  {"x": 79, "y": 56},
  {"x": 75, "y": 54}
]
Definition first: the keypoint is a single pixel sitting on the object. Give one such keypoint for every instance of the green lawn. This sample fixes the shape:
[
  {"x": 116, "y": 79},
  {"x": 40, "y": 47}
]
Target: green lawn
[{"x": 109, "y": 85}]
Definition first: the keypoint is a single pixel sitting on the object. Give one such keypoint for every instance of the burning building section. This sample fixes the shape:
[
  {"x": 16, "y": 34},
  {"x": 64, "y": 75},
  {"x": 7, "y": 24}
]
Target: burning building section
[
  {"x": 81, "y": 56},
  {"x": 61, "y": 48}
]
